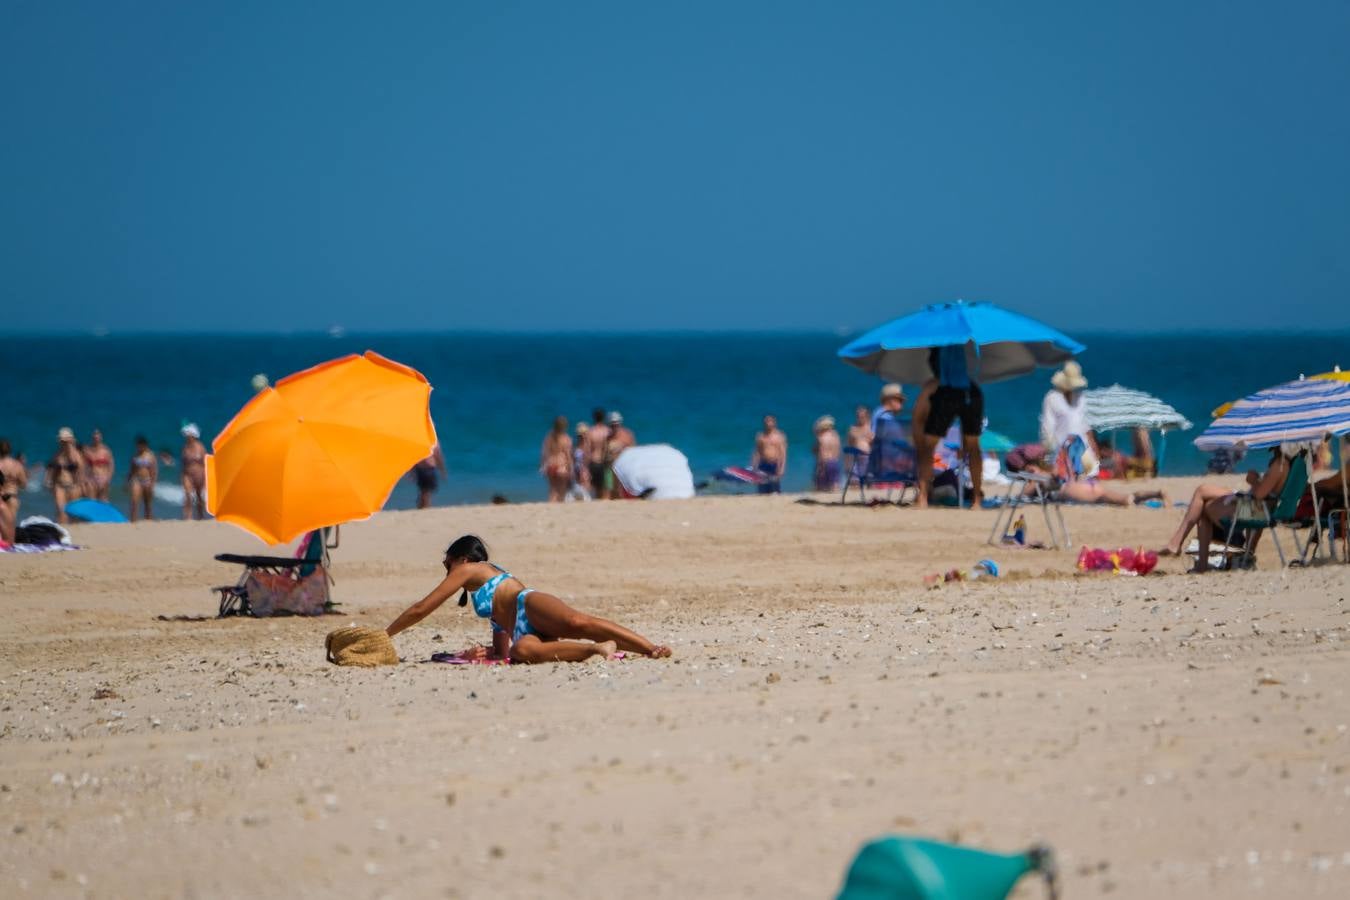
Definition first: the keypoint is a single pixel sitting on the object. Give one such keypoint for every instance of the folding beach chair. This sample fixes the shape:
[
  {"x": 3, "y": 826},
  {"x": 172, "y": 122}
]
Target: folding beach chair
[
  {"x": 272, "y": 585},
  {"x": 1031, "y": 489},
  {"x": 1253, "y": 516},
  {"x": 1043, "y": 490},
  {"x": 892, "y": 464}
]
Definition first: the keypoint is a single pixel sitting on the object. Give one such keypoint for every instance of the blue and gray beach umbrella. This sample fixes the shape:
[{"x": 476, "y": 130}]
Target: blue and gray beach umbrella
[
  {"x": 1293, "y": 413},
  {"x": 999, "y": 344}
]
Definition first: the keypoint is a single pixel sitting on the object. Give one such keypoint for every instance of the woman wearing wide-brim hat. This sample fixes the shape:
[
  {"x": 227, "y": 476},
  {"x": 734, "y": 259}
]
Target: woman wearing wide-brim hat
[
  {"x": 1064, "y": 411},
  {"x": 1064, "y": 430}
]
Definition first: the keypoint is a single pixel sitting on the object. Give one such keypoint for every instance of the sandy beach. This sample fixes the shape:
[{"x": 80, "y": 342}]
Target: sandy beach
[{"x": 1170, "y": 736}]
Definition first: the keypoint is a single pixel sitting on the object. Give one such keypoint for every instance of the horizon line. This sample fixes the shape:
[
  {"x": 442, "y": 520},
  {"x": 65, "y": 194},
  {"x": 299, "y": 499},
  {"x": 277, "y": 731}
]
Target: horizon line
[{"x": 338, "y": 332}]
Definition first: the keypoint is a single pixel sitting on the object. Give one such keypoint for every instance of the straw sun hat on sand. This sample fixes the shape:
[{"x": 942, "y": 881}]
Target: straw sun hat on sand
[{"x": 357, "y": 645}]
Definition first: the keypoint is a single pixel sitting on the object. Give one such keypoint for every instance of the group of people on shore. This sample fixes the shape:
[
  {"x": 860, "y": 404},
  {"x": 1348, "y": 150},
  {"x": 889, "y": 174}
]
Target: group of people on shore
[
  {"x": 946, "y": 426},
  {"x": 87, "y": 470},
  {"x": 583, "y": 468}
]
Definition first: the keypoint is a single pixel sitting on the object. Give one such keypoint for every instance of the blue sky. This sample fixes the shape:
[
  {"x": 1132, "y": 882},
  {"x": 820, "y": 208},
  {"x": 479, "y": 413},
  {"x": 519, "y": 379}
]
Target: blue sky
[{"x": 496, "y": 165}]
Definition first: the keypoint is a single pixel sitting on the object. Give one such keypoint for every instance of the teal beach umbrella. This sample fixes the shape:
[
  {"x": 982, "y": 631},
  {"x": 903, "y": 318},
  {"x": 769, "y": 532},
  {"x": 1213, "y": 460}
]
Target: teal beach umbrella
[
  {"x": 902, "y": 868},
  {"x": 990, "y": 442},
  {"x": 994, "y": 442}
]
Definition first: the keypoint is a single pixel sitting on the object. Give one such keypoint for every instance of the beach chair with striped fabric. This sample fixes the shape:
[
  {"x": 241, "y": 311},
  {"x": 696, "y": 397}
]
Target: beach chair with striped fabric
[{"x": 281, "y": 584}]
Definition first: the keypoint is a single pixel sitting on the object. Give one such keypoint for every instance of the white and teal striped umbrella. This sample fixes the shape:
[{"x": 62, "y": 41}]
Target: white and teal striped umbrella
[
  {"x": 1293, "y": 413},
  {"x": 1115, "y": 407}
]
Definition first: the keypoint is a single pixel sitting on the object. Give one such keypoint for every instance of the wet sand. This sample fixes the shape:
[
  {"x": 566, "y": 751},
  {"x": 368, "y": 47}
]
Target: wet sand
[{"x": 1171, "y": 736}]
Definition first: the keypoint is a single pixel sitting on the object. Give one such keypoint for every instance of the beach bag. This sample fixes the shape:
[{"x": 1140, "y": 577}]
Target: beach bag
[
  {"x": 270, "y": 594},
  {"x": 39, "y": 534},
  {"x": 357, "y": 645},
  {"x": 1249, "y": 509},
  {"x": 1022, "y": 456}
]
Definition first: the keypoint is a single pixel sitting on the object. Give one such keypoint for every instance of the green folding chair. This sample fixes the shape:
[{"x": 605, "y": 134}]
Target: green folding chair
[{"x": 1266, "y": 517}]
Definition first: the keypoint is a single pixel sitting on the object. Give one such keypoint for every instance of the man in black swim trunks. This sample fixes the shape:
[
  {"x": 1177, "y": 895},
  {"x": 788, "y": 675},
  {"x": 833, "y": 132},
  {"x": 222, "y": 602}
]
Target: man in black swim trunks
[
  {"x": 424, "y": 472},
  {"x": 957, "y": 396}
]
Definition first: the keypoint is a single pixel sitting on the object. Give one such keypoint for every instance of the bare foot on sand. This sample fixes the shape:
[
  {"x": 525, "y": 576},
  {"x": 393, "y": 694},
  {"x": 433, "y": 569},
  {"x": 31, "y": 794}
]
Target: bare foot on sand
[
  {"x": 604, "y": 650},
  {"x": 660, "y": 651}
]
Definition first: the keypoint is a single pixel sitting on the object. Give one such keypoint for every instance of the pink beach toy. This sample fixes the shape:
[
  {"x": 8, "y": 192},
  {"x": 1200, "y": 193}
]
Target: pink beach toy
[{"x": 1122, "y": 561}]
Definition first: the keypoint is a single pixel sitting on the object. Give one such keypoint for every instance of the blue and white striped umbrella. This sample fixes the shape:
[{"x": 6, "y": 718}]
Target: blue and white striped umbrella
[
  {"x": 1293, "y": 413},
  {"x": 1115, "y": 407}
]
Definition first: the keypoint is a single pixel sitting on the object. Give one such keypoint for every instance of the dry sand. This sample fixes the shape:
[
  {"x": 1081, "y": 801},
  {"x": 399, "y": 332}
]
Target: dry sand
[{"x": 1171, "y": 736}]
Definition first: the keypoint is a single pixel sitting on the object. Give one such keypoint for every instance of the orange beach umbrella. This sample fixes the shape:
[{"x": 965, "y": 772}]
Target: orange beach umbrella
[{"x": 322, "y": 447}]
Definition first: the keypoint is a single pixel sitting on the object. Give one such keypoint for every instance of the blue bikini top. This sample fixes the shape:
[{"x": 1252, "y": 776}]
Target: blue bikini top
[{"x": 482, "y": 598}]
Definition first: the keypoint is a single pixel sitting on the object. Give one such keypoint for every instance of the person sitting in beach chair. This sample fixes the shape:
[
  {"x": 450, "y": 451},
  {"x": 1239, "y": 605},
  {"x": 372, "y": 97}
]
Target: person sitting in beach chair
[
  {"x": 892, "y": 462},
  {"x": 281, "y": 585},
  {"x": 1142, "y": 462},
  {"x": 528, "y": 626},
  {"x": 1262, "y": 485},
  {"x": 1243, "y": 517}
]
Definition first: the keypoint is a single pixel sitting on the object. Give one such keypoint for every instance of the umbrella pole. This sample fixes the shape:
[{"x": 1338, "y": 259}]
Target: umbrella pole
[
  {"x": 1345, "y": 496},
  {"x": 1162, "y": 447},
  {"x": 1317, "y": 516}
]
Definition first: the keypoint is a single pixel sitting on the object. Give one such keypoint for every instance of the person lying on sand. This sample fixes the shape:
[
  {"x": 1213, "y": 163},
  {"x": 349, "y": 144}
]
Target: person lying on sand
[{"x": 528, "y": 626}]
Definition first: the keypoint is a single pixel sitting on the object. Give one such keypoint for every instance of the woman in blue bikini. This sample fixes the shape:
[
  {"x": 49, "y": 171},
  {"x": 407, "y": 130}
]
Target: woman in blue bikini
[{"x": 528, "y": 626}]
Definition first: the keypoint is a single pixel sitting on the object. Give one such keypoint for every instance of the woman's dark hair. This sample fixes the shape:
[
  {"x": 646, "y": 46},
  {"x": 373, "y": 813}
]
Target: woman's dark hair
[
  {"x": 469, "y": 548},
  {"x": 142, "y": 439}
]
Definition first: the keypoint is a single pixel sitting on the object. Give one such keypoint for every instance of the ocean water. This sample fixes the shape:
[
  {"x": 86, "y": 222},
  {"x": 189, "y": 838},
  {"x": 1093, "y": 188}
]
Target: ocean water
[{"x": 495, "y": 395}]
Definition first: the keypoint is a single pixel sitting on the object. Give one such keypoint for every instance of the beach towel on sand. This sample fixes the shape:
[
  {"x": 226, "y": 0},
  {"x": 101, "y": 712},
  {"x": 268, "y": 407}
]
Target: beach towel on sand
[{"x": 357, "y": 645}]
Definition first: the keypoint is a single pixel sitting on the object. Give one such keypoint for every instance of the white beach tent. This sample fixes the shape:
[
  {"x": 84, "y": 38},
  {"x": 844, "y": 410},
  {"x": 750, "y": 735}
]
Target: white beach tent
[{"x": 655, "y": 472}]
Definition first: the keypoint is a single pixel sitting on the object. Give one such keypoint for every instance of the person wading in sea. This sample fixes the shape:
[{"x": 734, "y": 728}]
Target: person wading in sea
[{"x": 770, "y": 456}]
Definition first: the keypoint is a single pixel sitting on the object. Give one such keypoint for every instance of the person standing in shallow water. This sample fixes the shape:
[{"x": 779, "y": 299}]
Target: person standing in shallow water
[
  {"x": 13, "y": 478},
  {"x": 618, "y": 440},
  {"x": 581, "y": 472},
  {"x": 192, "y": 462},
  {"x": 528, "y": 626},
  {"x": 99, "y": 457},
  {"x": 141, "y": 477},
  {"x": 594, "y": 443},
  {"x": 827, "y": 452},
  {"x": 555, "y": 460},
  {"x": 770, "y": 456},
  {"x": 66, "y": 473},
  {"x": 424, "y": 473}
]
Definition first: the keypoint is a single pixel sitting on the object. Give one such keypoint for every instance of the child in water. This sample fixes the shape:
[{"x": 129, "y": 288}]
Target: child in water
[{"x": 528, "y": 626}]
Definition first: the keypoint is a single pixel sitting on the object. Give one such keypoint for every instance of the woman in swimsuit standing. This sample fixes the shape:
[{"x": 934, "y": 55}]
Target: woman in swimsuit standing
[
  {"x": 555, "y": 460},
  {"x": 65, "y": 473},
  {"x": 543, "y": 630},
  {"x": 13, "y": 478},
  {"x": 99, "y": 458},
  {"x": 6, "y": 514},
  {"x": 141, "y": 477},
  {"x": 193, "y": 460}
]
